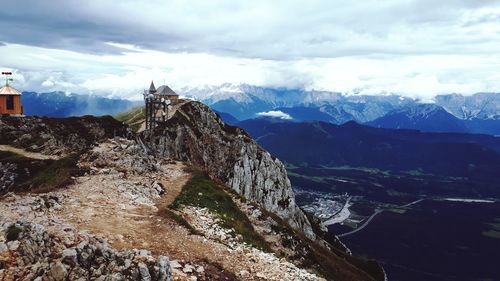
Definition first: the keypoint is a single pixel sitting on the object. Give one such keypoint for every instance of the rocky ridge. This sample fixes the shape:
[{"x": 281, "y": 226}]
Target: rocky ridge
[
  {"x": 119, "y": 202},
  {"x": 59, "y": 136},
  {"x": 268, "y": 264},
  {"x": 197, "y": 135},
  {"x": 123, "y": 193}
]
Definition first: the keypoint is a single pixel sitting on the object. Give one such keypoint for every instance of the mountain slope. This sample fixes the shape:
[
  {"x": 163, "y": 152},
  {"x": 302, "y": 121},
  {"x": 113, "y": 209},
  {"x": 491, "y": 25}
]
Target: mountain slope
[
  {"x": 477, "y": 106},
  {"x": 245, "y": 101},
  {"x": 196, "y": 134},
  {"x": 433, "y": 118},
  {"x": 318, "y": 143},
  {"x": 59, "y": 104},
  {"x": 424, "y": 117},
  {"x": 169, "y": 195},
  {"x": 227, "y": 118},
  {"x": 483, "y": 126}
]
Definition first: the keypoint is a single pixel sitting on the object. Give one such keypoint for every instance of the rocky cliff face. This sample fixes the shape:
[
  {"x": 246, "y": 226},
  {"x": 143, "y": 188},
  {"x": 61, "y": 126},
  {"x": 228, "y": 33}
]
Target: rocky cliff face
[
  {"x": 196, "y": 134},
  {"x": 130, "y": 199}
]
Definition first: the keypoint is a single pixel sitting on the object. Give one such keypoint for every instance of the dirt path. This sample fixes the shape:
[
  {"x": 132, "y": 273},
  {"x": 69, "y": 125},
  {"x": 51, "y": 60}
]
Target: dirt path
[
  {"x": 125, "y": 207},
  {"x": 99, "y": 205},
  {"x": 29, "y": 154}
]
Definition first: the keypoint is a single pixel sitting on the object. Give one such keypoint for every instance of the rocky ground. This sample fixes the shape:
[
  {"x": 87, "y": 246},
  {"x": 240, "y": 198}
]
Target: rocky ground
[
  {"x": 92, "y": 228},
  {"x": 196, "y": 134},
  {"x": 262, "y": 265}
]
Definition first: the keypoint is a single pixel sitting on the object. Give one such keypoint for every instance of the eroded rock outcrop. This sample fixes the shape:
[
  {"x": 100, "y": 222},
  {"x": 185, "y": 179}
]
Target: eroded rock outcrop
[
  {"x": 196, "y": 134},
  {"x": 58, "y": 136},
  {"x": 29, "y": 252}
]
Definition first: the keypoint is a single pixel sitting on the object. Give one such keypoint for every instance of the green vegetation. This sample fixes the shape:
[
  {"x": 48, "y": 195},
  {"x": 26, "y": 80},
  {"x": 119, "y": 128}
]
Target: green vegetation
[
  {"x": 11, "y": 157},
  {"x": 43, "y": 175},
  {"x": 133, "y": 118},
  {"x": 395, "y": 193},
  {"x": 55, "y": 175},
  {"x": 492, "y": 234},
  {"x": 397, "y": 210},
  {"x": 13, "y": 232},
  {"x": 201, "y": 191},
  {"x": 317, "y": 179},
  {"x": 133, "y": 115},
  {"x": 496, "y": 226}
]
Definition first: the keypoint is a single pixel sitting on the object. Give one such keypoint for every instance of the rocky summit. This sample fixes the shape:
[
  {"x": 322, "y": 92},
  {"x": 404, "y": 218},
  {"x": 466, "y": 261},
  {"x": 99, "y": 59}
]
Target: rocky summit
[
  {"x": 196, "y": 134},
  {"x": 195, "y": 199}
]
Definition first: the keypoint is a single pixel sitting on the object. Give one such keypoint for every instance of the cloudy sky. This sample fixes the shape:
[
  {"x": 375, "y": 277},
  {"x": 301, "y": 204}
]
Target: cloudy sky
[{"x": 417, "y": 48}]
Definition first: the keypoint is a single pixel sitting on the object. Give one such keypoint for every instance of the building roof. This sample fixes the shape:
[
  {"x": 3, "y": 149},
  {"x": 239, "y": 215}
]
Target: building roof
[
  {"x": 165, "y": 91},
  {"x": 152, "y": 87},
  {"x": 10, "y": 91}
]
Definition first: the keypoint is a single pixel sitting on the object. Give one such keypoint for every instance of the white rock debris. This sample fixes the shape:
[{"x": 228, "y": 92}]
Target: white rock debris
[
  {"x": 265, "y": 265},
  {"x": 119, "y": 201}
]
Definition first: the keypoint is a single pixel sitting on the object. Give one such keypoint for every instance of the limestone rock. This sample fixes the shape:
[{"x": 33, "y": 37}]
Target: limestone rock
[
  {"x": 196, "y": 134},
  {"x": 36, "y": 258}
]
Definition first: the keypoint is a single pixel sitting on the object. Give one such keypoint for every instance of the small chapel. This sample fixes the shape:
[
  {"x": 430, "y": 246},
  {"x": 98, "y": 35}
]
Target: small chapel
[
  {"x": 10, "y": 98},
  {"x": 157, "y": 104}
]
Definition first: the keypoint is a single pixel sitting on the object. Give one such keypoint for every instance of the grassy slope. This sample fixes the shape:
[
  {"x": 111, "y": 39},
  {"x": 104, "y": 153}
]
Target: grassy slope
[
  {"x": 133, "y": 117},
  {"x": 201, "y": 191},
  {"x": 44, "y": 175}
]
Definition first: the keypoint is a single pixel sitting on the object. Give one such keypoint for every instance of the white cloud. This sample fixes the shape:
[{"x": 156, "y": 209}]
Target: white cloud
[
  {"x": 275, "y": 114},
  {"x": 48, "y": 84},
  {"x": 417, "y": 48}
]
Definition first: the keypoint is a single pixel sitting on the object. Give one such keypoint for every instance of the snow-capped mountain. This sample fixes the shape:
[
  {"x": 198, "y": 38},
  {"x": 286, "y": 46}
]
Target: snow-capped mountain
[
  {"x": 424, "y": 117},
  {"x": 477, "y": 106},
  {"x": 246, "y": 101},
  {"x": 480, "y": 113}
]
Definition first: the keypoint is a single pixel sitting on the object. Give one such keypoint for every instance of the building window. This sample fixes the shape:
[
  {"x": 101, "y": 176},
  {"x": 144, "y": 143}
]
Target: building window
[{"x": 10, "y": 102}]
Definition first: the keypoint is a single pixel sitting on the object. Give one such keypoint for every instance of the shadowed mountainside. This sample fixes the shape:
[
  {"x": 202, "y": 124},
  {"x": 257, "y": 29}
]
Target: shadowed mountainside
[{"x": 351, "y": 144}]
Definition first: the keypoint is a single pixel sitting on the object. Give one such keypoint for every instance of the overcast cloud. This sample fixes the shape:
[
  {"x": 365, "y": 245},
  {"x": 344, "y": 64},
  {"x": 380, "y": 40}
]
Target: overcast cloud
[{"x": 418, "y": 48}]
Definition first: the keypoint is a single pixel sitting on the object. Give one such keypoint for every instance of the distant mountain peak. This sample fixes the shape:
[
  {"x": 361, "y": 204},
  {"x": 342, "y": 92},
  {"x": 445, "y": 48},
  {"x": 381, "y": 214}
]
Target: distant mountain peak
[
  {"x": 424, "y": 117},
  {"x": 64, "y": 104},
  {"x": 477, "y": 106},
  {"x": 422, "y": 110}
]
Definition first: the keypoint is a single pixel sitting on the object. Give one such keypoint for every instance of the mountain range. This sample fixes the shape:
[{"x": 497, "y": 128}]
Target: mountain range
[
  {"x": 60, "y": 104},
  {"x": 478, "y": 113},
  {"x": 474, "y": 158},
  {"x": 434, "y": 118}
]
